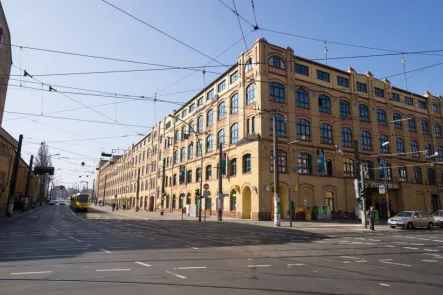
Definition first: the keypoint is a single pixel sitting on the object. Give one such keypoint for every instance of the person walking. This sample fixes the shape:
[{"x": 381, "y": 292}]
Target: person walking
[
  {"x": 113, "y": 206},
  {"x": 371, "y": 217}
]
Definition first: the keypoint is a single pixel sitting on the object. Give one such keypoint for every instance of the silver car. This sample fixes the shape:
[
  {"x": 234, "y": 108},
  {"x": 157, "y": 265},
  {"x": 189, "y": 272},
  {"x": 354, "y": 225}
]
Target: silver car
[
  {"x": 412, "y": 219},
  {"x": 438, "y": 217}
]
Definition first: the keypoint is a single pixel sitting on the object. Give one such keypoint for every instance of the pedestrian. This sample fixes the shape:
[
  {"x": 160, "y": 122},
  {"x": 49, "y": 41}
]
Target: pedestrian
[
  {"x": 371, "y": 217},
  {"x": 113, "y": 206}
]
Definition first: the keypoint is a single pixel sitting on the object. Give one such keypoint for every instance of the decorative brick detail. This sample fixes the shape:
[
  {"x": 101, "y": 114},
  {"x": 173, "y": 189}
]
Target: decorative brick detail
[
  {"x": 277, "y": 71},
  {"x": 300, "y": 111},
  {"x": 365, "y": 125},
  {"x": 233, "y": 118}
]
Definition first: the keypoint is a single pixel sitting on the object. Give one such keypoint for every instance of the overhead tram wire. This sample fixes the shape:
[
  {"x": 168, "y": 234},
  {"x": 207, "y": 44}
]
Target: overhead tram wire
[
  {"x": 87, "y": 139},
  {"x": 253, "y": 9},
  {"x": 239, "y": 23},
  {"x": 161, "y": 32}
]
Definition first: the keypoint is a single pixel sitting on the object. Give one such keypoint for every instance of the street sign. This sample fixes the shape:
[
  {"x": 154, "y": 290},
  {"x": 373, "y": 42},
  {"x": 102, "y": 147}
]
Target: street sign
[
  {"x": 381, "y": 189},
  {"x": 206, "y": 186},
  {"x": 305, "y": 202},
  {"x": 357, "y": 192}
]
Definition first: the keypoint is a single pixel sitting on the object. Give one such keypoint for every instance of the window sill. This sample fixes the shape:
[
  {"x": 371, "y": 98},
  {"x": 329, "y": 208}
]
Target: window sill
[{"x": 247, "y": 172}]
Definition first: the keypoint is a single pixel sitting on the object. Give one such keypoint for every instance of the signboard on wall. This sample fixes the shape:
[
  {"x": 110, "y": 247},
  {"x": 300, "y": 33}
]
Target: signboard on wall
[{"x": 321, "y": 163}]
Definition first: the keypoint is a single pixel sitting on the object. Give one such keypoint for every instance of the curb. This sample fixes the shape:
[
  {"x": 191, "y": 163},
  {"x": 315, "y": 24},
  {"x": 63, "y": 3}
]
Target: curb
[{"x": 5, "y": 220}]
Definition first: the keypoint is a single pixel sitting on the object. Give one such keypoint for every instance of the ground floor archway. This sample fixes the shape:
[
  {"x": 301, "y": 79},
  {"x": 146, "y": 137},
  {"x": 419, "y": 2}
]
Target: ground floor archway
[
  {"x": 233, "y": 200},
  {"x": 167, "y": 201},
  {"x": 151, "y": 203},
  {"x": 246, "y": 203},
  {"x": 189, "y": 199},
  {"x": 174, "y": 202},
  {"x": 434, "y": 203}
]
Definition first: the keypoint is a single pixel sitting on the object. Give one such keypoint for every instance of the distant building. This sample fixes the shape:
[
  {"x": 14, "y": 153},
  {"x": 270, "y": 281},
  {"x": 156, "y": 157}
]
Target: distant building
[{"x": 320, "y": 111}]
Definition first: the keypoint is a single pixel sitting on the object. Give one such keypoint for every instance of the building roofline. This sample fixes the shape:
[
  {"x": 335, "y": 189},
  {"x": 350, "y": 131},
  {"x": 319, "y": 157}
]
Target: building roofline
[{"x": 9, "y": 32}]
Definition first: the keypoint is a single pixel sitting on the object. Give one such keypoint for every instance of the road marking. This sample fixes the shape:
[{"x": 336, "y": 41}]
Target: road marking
[
  {"x": 389, "y": 246},
  {"x": 177, "y": 275},
  {"x": 385, "y": 285},
  {"x": 29, "y": 273},
  {"x": 429, "y": 260},
  {"x": 374, "y": 240},
  {"x": 437, "y": 241},
  {"x": 399, "y": 242},
  {"x": 347, "y": 261},
  {"x": 410, "y": 237},
  {"x": 140, "y": 236},
  {"x": 410, "y": 248},
  {"x": 259, "y": 265},
  {"x": 71, "y": 237},
  {"x": 191, "y": 267},
  {"x": 417, "y": 244},
  {"x": 249, "y": 258},
  {"x": 296, "y": 264},
  {"x": 144, "y": 264},
  {"x": 369, "y": 244},
  {"x": 395, "y": 263},
  {"x": 349, "y": 257},
  {"x": 431, "y": 250},
  {"x": 88, "y": 245},
  {"x": 423, "y": 239},
  {"x": 106, "y": 251},
  {"x": 356, "y": 243},
  {"x": 70, "y": 249},
  {"x": 359, "y": 239},
  {"x": 195, "y": 248},
  {"x": 18, "y": 251},
  {"x": 78, "y": 240},
  {"x": 114, "y": 269}
]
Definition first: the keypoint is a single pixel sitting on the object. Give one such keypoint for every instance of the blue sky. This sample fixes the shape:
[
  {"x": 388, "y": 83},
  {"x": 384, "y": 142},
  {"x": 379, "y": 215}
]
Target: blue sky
[{"x": 93, "y": 27}]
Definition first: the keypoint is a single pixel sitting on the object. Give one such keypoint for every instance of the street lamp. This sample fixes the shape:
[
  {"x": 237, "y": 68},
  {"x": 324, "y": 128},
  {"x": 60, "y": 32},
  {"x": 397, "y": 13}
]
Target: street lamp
[{"x": 201, "y": 165}]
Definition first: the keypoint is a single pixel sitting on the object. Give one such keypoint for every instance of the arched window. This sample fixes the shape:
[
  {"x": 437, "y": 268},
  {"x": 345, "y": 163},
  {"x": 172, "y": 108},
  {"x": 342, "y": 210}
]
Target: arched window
[
  {"x": 346, "y": 137},
  {"x": 345, "y": 109},
  {"x": 302, "y": 98},
  {"x": 303, "y": 129},
  {"x": 182, "y": 154},
  {"x": 234, "y": 133},
  {"x": 198, "y": 174},
  {"x": 348, "y": 168},
  {"x": 400, "y": 146},
  {"x": 191, "y": 150},
  {"x": 191, "y": 126},
  {"x": 174, "y": 179},
  {"x": 432, "y": 180},
  {"x": 428, "y": 149},
  {"x": 412, "y": 126},
  {"x": 326, "y": 133},
  {"x": 414, "y": 149},
  {"x": 221, "y": 137},
  {"x": 305, "y": 164},
  {"x": 221, "y": 112},
  {"x": 324, "y": 104},
  {"x": 209, "y": 144},
  {"x": 175, "y": 156},
  {"x": 437, "y": 128},
  {"x": 177, "y": 135},
  {"x": 277, "y": 62},
  {"x": 281, "y": 125},
  {"x": 386, "y": 172},
  {"x": 277, "y": 92},
  {"x": 282, "y": 160},
  {"x": 250, "y": 94},
  {"x": 249, "y": 65},
  {"x": 366, "y": 141},
  {"x": 440, "y": 152},
  {"x": 247, "y": 165},
  {"x": 398, "y": 124},
  {"x": 210, "y": 118},
  {"x": 199, "y": 148},
  {"x": 184, "y": 134},
  {"x": 363, "y": 112},
  {"x": 200, "y": 123},
  {"x": 233, "y": 167},
  {"x": 381, "y": 117},
  {"x": 234, "y": 104},
  {"x": 208, "y": 172},
  {"x": 384, "y": 143},
  {"x": 425, "y": 127},
  {"x": 189, "y": 176},
  {"x": 417, "y": 175},
  {"x": 368, "y": 168}
]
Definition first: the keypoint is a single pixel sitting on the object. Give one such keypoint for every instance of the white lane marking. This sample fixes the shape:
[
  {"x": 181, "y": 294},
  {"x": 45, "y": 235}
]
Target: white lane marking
[
  {"x": 259, "y": 265},
  {"x": 88, "y": 245},
  {"x": 429, "y": 260},
  {"x": 36, "y": 234},
  {"x": 431, "y": 250},
  {"x": 356, "y": 243},
  {"x": 389, "y": 246},
  {"x": 350, "y": 257},
  {"x": 410, "y": 237},
  {"x": 29, "y": 257},
  {"x": 120, "y": 247},
  {"x": 385, "y": 285},
  {"x": 347, "y": 261},
  {"x": 71, "y": 237},
  {"x": 296, "y": 264},
  {"x": 106, "y": 251},
  {"x": 417, "y": 244},
  {"x": 410, "y": 248},
  {"x": 369, "y": 244},
  {"x": 78, "y": 240},
  {"x": 437, "y": 241},
  {"x": 113, "y": 269},
  {"x": 29, "y": 273},
  {"x": 195, "y": 248},
  {"x": 191, "y": 267},
  {"x": 249, "y": 259},
  {"x": 374, "y": 240},
  {"x": 360, "y": 239},
  {"x": 144, "y": 264},
  {"x": 70, "y": 249},
  {"x": 423, "y": 239},
  {"x": 177, "y": 275},
  {"x": 399, "y": 242},
  {"x": 18, "y": 251},
  {"x": 395, "y": 263},
  {"x": 140, "y": 236}
]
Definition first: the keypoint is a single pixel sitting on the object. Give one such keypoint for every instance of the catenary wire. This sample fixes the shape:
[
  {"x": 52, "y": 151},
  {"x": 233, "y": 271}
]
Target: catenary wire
[{"x": 239, "y": 23}]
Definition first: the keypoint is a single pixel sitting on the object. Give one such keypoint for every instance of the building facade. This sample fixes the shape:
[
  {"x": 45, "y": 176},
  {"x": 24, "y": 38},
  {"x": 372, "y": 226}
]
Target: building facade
[
  {"x": 5, "y": 60},
  {"x": 320, "y": 112}
]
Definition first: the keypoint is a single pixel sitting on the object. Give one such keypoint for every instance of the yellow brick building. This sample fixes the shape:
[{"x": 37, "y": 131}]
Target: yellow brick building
[{"x": 317, "y": 107}]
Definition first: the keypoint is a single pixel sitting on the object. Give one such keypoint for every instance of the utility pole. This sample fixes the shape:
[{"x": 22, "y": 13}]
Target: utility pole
[
  {"x": 360, "y": 173},
  {"x": 28, "y": 181},
  {"x": 47, "y": 190},
  {"x": 220, "y": 183},
  {"x": 13, "y": 183},
  {"x": 276, "y": 176},
  {"x": 163, "y": 188},
  {"x": 137, "y": 196},
  {"x": 104, "y": 190},
  {"x": 363, "y": 194},
  {"x": 93, "y": 191}
]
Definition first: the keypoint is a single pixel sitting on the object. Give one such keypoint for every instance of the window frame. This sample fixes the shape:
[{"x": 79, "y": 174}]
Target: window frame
[
  {"x": 362, "y": 87},
  {"x": 301, "y": 69},
  {"x": 346, "y": 137},
  {"x": 323, "y": 76},
  {"x": 221, "y": 111},
  {"x": 272, "y": 62},
  {"x": 324, "y": 104},
  {"x": 302, "y": 98},
  {"x": 381, "y": 117},
  {"x": 363, "y": 113},
  {"x": 301, "y": 126},
  {"x": 366, "y": 140},
  {"x": 233, "y": 139},
  {"x": 342, "y": 81},
  {"x": 326, "y": 136},
  {"x": 250, "y": 94},
  {"x": 281, "y": 125},
  {"x": 233, "y": 106},
  {"x": 277, "y": 92}
]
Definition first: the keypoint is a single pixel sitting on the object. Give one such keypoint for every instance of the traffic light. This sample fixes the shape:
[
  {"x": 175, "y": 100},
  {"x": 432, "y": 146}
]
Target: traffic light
[
  {"x": 106, "y": 154},
  {"x": 362, "y": 193},
  {"x": 43, "y": 170},
  {"x": 224, "y": 164},
  {"x": 197, "y": 192},
  {"x": 83, "y": 163}
]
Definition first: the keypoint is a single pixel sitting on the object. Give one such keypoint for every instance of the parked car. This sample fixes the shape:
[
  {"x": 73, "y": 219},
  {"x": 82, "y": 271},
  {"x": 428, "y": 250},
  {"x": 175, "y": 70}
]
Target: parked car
[
  {"x": 52, "y": 202},
  {"x": 412, "y": 219},
  {"x": 438, "y": 217}
]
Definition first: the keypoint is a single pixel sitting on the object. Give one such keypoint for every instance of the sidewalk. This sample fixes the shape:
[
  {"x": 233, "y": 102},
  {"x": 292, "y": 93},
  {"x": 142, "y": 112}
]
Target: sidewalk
[
  {"x": 17, "y": 214},
  {"x": 147, "y": 215}
]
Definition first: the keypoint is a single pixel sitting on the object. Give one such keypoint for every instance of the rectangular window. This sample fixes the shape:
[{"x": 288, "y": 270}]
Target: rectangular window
[
  {"x": 168, "y": 125},
  {"x": 200, "y": 102},
  {"x": 395, "y": 97},
  {"x": 324, "y": 76},
  {"x": 221, "y": 86},
  {"x": 210, "y": 95},
  {"x": 378, "y": 92},
  {"x": 362, "y": 87},
  {"x": 184, "y": 113},
  {"x": 344, "y": 82},
  {"x": 409, "y": 101},
  {"x": 435, "y": 108},
  {"x": 191, "y": 108},
  {"x": 422, "y": 105},
  {"x": 302, "y": 69},
  {"x": 412, "y": 126},
  {"x": 233, "y": 77}
]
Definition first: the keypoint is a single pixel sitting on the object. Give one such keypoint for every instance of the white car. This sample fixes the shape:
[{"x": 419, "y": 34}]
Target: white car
[{"x": 412, "y": 219}]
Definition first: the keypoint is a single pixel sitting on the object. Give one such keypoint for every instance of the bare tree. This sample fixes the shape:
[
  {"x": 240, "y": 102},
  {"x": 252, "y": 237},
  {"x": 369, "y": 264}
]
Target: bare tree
[{"x": 43, "y": 159}]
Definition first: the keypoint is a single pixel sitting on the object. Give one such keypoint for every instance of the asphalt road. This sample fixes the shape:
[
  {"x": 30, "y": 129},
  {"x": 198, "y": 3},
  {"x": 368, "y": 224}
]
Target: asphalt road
[{"x": 54, "y": 251}]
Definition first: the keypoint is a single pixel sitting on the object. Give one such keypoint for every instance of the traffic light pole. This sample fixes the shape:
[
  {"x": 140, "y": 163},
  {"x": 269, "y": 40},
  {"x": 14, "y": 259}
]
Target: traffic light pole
[
  {"x": 363, "y": 193},
  {"x": 220, "y": 183},
  {"x": 162, "y": 202},
  {"x": 276, "y": 176},
  {"x": 104, "y": 190},
  {"x": 28, "y": 181}
]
